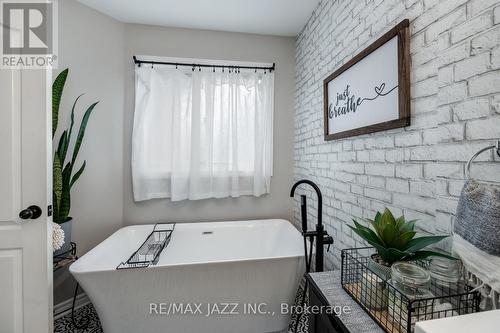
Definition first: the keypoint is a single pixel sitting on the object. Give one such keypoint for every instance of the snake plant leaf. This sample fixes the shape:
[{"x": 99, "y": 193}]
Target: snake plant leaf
[
  {"x": 81, "y": 132},
  {"x": 420, "y": 242},
  {"x": 73, "y": 117},
  {"x": 77, "y": 174},
  {"x": 62, "y": 148},
  {"x": 57, "y": 181},
  {"x": 63, "y": 174},
  {"x": 66, "y": 136},
  {"x": 66, "y": 174},
  {"x": 57, "y": 90},
  {"x": 419, "y": 255},
  {"x": 55, "y": 208},
  {"x": 65, "y": 205}
]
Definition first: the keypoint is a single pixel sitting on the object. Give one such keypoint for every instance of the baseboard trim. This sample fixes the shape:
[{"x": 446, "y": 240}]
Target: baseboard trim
[{"x": 64, "y": 308}]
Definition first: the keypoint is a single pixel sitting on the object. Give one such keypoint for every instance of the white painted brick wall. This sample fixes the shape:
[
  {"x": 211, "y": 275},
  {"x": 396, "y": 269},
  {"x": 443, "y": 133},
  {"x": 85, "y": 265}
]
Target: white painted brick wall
[{"x": 418, "y": 170}]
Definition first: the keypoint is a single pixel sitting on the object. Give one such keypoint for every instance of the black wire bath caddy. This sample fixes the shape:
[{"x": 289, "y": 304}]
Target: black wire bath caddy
[
  {"x": 392, "y": 309},
  {"x": 149, "y": 252}
]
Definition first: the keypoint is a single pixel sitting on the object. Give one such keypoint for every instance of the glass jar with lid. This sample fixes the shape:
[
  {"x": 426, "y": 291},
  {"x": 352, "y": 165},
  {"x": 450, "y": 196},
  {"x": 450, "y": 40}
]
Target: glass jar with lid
[
  {"x": 444, "y": 271},
  {"x": 411, "y": 279},
  {"x": 413, "y": 282}
]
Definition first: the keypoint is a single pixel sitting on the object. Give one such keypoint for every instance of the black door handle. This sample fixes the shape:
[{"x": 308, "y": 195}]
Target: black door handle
[{"x": 32, "y": 212}]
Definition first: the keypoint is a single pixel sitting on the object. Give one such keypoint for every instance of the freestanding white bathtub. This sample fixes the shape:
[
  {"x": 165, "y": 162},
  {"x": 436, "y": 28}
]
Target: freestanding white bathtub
[{"x": 212, "y": 277}]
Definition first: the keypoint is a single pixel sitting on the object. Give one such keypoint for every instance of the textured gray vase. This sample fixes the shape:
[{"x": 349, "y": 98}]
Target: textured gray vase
[
  {"x": 66, "y": 227},
  {"x": 382, "y": 271}
]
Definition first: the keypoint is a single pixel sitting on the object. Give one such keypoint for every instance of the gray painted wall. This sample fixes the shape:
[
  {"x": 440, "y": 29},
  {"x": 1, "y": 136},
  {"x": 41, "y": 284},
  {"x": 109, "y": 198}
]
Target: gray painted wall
[
  {"x": 159, "y": 41},
  {"x": 98, "y": 50},
  {"x": 91, "y": 45}
]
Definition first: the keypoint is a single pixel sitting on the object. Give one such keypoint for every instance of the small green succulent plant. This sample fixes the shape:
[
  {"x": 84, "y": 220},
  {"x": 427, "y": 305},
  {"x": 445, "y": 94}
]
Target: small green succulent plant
[{"x": 394, "y": 238}]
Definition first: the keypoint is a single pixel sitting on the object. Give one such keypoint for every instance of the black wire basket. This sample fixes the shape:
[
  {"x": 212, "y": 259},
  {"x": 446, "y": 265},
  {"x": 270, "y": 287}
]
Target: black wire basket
[
  {"x": 393, "y": 310},
  {"x": 149, "y": 251}
]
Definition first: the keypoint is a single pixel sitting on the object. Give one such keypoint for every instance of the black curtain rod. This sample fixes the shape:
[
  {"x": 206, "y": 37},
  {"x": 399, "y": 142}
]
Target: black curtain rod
[{"x": 139, "y": 62}]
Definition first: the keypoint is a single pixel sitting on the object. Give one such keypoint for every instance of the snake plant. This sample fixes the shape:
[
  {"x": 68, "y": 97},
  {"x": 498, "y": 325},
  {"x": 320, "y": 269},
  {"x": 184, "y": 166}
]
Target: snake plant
[
  {"x": 394, "y": 238},
  {"x": 63, "y": 177}
]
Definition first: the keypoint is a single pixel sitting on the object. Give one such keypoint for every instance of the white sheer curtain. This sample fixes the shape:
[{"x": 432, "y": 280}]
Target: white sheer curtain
[{"x": 202, "y": 134}]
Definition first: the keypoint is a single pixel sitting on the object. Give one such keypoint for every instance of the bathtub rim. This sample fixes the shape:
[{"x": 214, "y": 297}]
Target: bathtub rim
[{"x": 75, "y": 271}]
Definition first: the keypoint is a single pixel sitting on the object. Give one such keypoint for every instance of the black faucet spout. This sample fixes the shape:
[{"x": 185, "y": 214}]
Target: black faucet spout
[
  {"x": 318, "y": 193},
  {"x": 320, "y": 232}
]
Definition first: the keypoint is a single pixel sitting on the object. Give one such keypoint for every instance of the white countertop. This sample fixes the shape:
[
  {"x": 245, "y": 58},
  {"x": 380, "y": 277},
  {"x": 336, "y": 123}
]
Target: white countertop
[{"x": 484, "y": 322}]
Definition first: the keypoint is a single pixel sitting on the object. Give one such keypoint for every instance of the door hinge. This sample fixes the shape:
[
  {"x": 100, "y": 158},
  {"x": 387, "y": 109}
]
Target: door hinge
[{"x": 49, "y": 210}]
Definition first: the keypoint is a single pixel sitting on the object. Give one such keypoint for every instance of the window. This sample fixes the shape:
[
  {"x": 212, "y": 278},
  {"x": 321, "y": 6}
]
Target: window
[{"x": 202, "y": 134}]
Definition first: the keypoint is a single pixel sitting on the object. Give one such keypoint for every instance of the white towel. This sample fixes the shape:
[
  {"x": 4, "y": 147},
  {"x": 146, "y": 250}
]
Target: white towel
[
  {"x": 485, "y": 266},
  {"x": 476, "y": 232}
]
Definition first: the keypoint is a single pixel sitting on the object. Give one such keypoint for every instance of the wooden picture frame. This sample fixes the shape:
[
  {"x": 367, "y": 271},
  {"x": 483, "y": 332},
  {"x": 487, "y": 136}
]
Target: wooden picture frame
[{"x": 400, "y": 113}]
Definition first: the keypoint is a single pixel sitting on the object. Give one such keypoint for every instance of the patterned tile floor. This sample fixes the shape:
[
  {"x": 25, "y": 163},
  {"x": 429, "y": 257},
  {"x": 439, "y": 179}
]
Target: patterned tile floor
[{"x": 64, "y": 324}]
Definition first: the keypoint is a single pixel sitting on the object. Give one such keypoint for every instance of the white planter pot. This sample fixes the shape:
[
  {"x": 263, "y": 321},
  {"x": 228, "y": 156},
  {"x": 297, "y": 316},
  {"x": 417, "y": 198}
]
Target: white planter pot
[
  {"x": 381, "y": 270},
  {"x": 374, "y": 292}
]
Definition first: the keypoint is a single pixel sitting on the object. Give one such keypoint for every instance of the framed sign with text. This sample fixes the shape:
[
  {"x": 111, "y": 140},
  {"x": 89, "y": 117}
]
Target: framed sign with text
[{"x": 371, "y": 92}]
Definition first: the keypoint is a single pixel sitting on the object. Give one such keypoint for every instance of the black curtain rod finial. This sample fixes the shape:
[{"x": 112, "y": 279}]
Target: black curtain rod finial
[{"x": 137, "y": 62}]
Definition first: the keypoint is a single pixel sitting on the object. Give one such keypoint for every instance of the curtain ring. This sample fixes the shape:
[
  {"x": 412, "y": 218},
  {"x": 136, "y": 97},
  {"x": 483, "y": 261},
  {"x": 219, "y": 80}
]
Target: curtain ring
[
  {"x": 214, "y": 69},
  {"x": 176, "y": 66},
  {"x": 199, "y": 68}
]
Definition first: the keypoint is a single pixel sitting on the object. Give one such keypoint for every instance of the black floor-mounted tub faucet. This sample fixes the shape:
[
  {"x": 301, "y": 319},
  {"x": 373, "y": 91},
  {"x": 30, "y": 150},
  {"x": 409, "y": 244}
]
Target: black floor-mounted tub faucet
[{"x": 322, "y": 237}]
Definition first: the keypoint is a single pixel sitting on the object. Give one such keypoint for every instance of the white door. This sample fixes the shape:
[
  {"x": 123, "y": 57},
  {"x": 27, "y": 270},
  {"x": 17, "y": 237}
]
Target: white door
[{"x": 25, "y": 180}]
